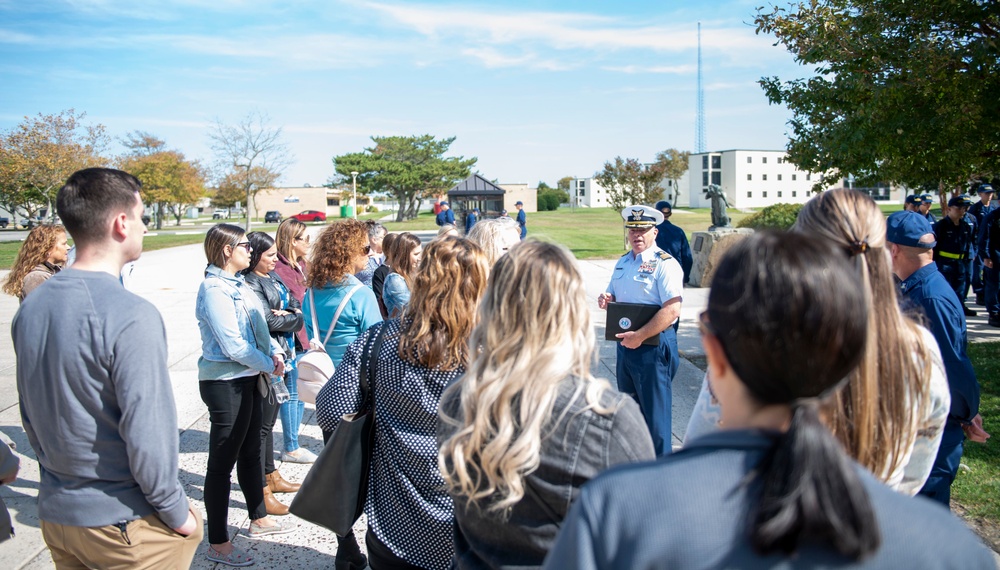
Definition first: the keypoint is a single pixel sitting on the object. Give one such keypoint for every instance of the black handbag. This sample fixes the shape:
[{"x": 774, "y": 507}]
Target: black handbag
[{"x": 334, "y": 491}]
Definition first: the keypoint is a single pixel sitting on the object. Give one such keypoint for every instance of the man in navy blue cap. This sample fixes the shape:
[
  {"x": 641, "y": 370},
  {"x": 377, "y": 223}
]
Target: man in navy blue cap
[
  {"x": 471, "y": 219},
  {"x": 522, "y": 218},
  {"x": 445, "y": 216},
  {"x": 912, "y": 203},
  {"x": 673, "y": 240},
  {"x": 979, "y": 211},
  {"x": 648, "y": 275},
  {"x": 956, "y": 246},
  {"x": 911, "y": 243},
  {"x": 926, "y": 201}
]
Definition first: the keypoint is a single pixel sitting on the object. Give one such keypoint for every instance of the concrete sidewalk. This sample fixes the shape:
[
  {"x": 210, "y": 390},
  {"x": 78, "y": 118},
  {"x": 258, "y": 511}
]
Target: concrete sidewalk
[{"x": 170, "y": 279}]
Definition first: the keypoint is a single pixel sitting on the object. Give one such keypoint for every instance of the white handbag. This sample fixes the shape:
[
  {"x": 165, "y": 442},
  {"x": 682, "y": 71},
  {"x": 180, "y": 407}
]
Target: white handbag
[{"x": 316, "y": 367}]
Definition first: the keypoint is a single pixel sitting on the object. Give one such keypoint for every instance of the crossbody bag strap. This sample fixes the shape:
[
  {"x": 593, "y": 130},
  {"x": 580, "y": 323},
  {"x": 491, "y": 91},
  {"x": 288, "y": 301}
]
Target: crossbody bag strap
[
  {"x": 336, "y": 315},
  {"x": 369, "y": 362}
]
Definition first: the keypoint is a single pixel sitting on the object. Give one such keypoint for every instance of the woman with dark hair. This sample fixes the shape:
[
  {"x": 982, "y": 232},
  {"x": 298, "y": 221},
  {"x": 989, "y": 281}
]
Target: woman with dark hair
[
  {"x": 404, "y": 258},
  {"x": 785, "y": 326},
  {"x": 43, "y": 254},
  {"x": 292, "y": 242},
  {"x": 409, "y": 511},
  {"x": 284, "y": 317},
  {"x": 238, "y": 355},
  {"x": 381, "y": 272}
]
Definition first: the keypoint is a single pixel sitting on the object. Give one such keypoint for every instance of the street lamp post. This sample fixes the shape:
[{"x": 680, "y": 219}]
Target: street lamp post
[{"x": 354, "y": 184}]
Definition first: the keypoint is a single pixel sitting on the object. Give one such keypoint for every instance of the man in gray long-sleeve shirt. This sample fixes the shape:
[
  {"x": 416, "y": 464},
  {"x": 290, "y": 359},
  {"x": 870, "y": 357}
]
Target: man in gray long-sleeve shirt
[{"x": 95, "y": 395}]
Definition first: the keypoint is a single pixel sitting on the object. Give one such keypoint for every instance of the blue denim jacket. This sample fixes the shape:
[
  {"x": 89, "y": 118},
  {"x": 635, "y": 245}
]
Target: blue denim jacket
[{"x": 235, "y": 341}]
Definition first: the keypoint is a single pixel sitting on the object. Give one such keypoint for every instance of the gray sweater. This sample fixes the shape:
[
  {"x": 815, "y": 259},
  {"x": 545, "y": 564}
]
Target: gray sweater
[{"x": 96, "y": 402}]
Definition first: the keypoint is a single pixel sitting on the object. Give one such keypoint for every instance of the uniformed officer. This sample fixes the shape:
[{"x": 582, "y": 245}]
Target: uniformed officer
[
  {"x": 927, "y": 200},
  {"x": 471, "y": 219},
  {"x": 912, "y": 203},
  {"x": 673, "y": 240},
  {"x": 956, "y": 246},
  {"x": 979, "y": 210},
  {"x": 989, "y": 253},
  {"x": 910, "y": 244},
  {"x": 648, "y": 275},
  {"x": 445, "y": 216}
]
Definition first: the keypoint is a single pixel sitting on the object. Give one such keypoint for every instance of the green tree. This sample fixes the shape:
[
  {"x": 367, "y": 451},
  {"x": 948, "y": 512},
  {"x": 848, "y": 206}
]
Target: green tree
[
  {"x": 674, "y": 164},
  {"x": 408, "y": 168},
  {"x": 903, "y": 91},
  {"x": 40, "y": 153},
  {"x": 169, "y": 181},
  {"x": 628, "y": 181},
  {"x": 564, "y": 182},
  {"x": 773, "y": 217}
]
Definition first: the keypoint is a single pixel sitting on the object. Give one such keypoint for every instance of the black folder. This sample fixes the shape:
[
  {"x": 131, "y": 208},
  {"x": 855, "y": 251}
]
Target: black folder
[{"x": 629, "y": 317}]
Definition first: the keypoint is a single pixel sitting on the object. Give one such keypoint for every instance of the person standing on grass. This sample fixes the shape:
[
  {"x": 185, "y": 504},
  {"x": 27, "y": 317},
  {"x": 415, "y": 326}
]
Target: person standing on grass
[
  {"x": 522, "y": 219},
  {"x": 95, "y": 395}
]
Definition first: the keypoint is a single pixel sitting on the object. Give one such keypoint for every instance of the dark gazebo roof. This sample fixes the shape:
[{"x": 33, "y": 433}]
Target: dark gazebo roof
[{"x": 476, "y": 185}]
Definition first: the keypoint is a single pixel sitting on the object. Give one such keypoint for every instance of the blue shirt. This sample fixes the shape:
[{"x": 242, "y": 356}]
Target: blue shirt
[
  {"x": 648, "y": 278},
  {"x": 470, "y": 221},
  {"x": 928, "y": 290},
  {"x": 445, "y": 217},
  {"x": 979, "y": 211},
  {"x": 956, "y": 239},
  {"x": 360, "y": 313},
  {"x": 988, "y": 243},
  {"x": 674, "y": 241}
]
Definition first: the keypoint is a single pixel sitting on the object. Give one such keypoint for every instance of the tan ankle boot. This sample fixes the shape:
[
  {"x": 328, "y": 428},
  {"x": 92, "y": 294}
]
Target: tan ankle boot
[
  {"x": 277, "y": 484},
  {"x": 273, "y": 505}
]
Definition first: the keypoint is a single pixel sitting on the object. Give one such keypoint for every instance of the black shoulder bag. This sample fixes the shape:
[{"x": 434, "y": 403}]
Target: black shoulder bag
[{"x": 334, "y": 491}]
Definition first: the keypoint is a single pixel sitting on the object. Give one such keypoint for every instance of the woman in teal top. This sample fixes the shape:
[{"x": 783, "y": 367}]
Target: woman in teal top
[{"x": 339, "y": 253}]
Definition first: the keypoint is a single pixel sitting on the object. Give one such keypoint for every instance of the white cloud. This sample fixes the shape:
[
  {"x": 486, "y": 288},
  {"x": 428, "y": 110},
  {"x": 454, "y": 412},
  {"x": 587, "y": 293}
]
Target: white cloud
[
  {"x": 673, "y": 69},
  {"x": 12, "y": 37},
  {"x": 492, "y": 58}
]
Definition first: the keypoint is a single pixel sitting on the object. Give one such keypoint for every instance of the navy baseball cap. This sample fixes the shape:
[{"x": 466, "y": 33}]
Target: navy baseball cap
[
  {"x": 519, "y": 203},
  {"x": 914, "y": 199},
  {"x": 962, "y": 200},
  {"x": 906, "y": 228},
  {"x": 928, "y": 198},
  {"x": 443, "y": 203},
  {"x": 984, "y": 188},
  {"x": 663, "y": 204}
]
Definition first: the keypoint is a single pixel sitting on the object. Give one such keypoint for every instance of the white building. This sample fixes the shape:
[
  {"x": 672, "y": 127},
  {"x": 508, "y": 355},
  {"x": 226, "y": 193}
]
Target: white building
[{"x": 587, "y": 193}]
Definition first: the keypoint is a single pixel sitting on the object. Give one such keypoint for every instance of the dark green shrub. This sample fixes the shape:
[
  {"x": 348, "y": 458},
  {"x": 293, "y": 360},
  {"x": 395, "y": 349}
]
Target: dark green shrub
[
  {"x": 548, "y": 201},
  {"x": 774, "y": 217}
]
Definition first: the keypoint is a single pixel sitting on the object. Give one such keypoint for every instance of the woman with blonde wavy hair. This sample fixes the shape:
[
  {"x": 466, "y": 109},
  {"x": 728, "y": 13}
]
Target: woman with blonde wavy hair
[
  {"x": 890, "y": 416},
  {"x": 43, "y": 254},
  {"x": 409, "y": 512},
  {"x": 528, "y": 425}
]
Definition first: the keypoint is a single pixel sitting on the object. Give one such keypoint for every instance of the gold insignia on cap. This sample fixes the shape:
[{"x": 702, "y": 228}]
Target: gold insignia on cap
[{"x": 637, "y": 214}]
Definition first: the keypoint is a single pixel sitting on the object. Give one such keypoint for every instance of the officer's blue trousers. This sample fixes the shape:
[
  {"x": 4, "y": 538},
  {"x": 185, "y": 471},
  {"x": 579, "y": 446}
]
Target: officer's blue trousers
[
  {"x": 938, "y": 484},
  {"x": 991, "y": 286},
  {"x": 647, "y": 374},
  {"x": 977, "y": 276},
  {"x": 956, "y": 273}
]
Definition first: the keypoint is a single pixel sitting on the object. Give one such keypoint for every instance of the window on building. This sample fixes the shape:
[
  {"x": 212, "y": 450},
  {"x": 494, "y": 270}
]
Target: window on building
[
  {"x": 670, "y": 183},
  {"x": 749, "y": 160},
  {"x": 581, "y": 192},
  {"x": 749, "y": 176},
  {"x": 749, "y": 194},
  {"x": 779, "y": 193},
  {"x": 704, "y": 162},
  {"x": 764, "y": 160},
  {"x": 781, "y": 159},
  {"x": 779, "y": 177},
  {"x": 808, "y": 176},
  {"x": 764, "y": 194},
  {"x": 716, "y": 162},
  {"x": 763, "y": 177},
  {"x": 794, "y": 193},
  {"x": 793, "y": 178},
  {"x": 704, "y": 178},
  {"x": 716, "y": 177}
]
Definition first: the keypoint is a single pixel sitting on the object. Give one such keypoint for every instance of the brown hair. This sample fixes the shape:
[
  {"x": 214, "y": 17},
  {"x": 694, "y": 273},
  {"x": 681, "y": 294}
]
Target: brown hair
[
  {"x": 35, "y": 250},
  {"x": 288, "y": 230},
  {"x": 91, "y": 197},
  {"x": 874, "y": 415},
  {"x": 437, "y": 322},
  {"x": 216, "y": 240},
  {"x": 397, "y": 256},
  {"x": 334, "y": 252}
]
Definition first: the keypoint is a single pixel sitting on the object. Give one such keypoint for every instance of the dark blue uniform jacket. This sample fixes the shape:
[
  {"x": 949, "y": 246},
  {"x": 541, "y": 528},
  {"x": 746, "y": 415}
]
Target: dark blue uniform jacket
[{"x": 672, "y": 240}]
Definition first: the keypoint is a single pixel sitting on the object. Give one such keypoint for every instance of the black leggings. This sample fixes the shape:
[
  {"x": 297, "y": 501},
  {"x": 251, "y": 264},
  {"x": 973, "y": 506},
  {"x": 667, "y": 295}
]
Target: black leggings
[
  {"x": 234, "y": 407},
  {"x": 269, "y": 415}
]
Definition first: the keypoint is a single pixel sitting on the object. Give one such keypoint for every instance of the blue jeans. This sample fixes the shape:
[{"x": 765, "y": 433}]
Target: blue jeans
[
  {"x": 945, "y": 468},
  {"x": 991, "y": 285},
  {"x": 290, "y": 413},
  {"x": 647, "y": 374}
]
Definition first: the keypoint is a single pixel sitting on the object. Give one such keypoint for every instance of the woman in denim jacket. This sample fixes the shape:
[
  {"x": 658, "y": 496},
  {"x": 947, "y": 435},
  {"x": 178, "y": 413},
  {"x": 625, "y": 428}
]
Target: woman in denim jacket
[
  {"x": 528, "y": 425},
  {"x": 236, "y": 349}
]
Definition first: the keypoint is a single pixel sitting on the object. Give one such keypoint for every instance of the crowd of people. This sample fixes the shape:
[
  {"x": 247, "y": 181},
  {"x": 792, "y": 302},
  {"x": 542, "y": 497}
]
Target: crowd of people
[{"x": 826, "y": 403}]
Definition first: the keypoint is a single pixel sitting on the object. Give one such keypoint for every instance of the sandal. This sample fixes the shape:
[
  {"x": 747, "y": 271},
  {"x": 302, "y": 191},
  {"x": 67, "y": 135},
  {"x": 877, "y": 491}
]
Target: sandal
[{"x": 237, "y": 557}]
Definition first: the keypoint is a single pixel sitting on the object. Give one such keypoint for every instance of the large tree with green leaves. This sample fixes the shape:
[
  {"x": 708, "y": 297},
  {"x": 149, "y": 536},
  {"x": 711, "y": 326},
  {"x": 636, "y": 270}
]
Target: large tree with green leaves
[
  {"x": 40, "y": 153},
  {"x": 628, "y": 181},
  {"x": 169, "y": 181},
  {"x": 903, "y": 91},
  {"x": 408, "y": 168},
  {"x": 673, "y": 164}
]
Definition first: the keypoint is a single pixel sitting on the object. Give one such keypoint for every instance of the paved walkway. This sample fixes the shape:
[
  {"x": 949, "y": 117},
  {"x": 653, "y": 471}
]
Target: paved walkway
[{"x": 170, "y": 279}]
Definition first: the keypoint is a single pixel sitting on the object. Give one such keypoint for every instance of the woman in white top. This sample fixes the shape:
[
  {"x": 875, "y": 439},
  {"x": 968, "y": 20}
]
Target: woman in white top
[{"x": 890, "y": 415}]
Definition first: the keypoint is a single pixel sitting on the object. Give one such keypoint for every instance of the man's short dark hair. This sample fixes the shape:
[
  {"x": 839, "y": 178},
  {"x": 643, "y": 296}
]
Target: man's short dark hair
[{"x": 91, "y": 197}]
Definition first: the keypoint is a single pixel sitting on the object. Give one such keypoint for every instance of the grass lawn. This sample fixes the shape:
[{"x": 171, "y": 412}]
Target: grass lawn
[
  {"x": 9, "y": 249},
  {"x": 978, "y": 490}
]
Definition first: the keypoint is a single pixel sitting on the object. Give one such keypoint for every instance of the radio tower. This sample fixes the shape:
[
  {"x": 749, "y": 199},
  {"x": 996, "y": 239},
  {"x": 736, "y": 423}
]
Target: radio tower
[{"x": 699, "y": 128}]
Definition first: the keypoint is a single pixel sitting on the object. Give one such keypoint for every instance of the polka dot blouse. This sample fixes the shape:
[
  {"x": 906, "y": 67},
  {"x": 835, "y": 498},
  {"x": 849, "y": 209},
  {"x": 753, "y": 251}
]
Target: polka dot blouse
[{"x": 407, "y": 506}]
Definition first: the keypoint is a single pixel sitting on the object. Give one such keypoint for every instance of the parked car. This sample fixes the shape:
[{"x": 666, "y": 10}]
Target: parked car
[
  {"x": 272, "y": 217},
  {"x": 220, "y": 214},
  {"x": 4, "y": 222},
  {"x": 146, "y": 219},
  {"x": 310, "y": 216}
]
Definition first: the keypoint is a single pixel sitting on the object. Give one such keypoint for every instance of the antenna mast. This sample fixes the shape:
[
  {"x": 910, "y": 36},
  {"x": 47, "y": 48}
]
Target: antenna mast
[{"x": 699, "y": 135}]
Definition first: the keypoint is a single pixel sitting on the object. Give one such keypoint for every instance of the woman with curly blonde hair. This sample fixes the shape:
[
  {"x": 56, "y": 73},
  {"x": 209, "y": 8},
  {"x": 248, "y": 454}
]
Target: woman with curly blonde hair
[
  {"x": 421, "y": 353},
  {"x": 528, "y": 425},
  {"x": 43, "y": 254}
]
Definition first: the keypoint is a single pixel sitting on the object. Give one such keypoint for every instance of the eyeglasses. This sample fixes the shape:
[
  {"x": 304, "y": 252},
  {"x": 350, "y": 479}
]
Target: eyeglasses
[
  {"x": 245, "y": 245},
  {"x": 301, "y": 238}
]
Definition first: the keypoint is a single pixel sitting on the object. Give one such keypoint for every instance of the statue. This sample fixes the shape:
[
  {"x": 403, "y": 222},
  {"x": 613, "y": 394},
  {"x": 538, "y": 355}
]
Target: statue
[{"x": 719, "y": 205}]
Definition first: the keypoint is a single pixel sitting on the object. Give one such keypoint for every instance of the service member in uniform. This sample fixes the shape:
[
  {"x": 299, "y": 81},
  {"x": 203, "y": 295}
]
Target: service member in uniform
[
  {"x": 956, "y": 245},
  {"x": 912, "y": 203},
  {"x": 922, "y": 286},
  {"x": 648, "y": 275},
  {"x": 926, "y": 201},
  {"x": 979, "y": 210},
  {"x": 445, "y": 216},
  {"x": 988, "y": 249},
  {"x": 673, "y": 240},
  {"x": 522, "y": 219}
]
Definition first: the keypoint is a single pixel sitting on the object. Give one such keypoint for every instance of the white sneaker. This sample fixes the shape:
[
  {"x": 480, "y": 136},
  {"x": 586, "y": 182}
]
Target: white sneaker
[{"x": 300, "y": 455}]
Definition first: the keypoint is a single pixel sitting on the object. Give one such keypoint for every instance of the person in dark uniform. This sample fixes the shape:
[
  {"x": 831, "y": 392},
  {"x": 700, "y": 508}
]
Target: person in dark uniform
[
  {"x": 979, "y": 210},
  {"x": 522, "y": 219},
  {"x": 445, "y": 216},
  {"x": 912, "y": 203},
  {"x": 673, "y": 240},
  {"x": 927, "y": 200},
  {"x": 956, "y": 245},
  {"x": 471, "y": 219},
  {"x": 910, "y": 245},
  {"x": 988, "y": 248},
  {"x": 648, "y": 275}
]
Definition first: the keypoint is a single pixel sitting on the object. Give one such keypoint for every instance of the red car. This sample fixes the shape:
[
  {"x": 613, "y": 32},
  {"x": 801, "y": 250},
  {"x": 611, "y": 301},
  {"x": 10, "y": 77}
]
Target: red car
[{"x": 310, "y": 216}]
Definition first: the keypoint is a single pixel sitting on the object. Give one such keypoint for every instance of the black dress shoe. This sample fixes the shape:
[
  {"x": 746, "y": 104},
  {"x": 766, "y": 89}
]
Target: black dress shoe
[
  {"x": 980, "y": 300},
  {"x": 994, "y": 321},
  {"x": 969, "y": 312}
]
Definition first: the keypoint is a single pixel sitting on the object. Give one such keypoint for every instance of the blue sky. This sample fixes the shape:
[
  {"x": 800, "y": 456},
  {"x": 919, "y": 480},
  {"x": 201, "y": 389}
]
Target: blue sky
[{"x": 535, "y": 90}]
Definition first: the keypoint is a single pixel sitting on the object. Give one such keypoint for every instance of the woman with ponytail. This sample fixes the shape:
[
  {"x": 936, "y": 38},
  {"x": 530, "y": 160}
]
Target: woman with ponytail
[{"x": 786, "y": 324}]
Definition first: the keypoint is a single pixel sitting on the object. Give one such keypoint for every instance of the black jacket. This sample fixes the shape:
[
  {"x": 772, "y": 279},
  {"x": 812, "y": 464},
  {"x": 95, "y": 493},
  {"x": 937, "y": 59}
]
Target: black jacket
[{"x": 278, "y": 325}]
